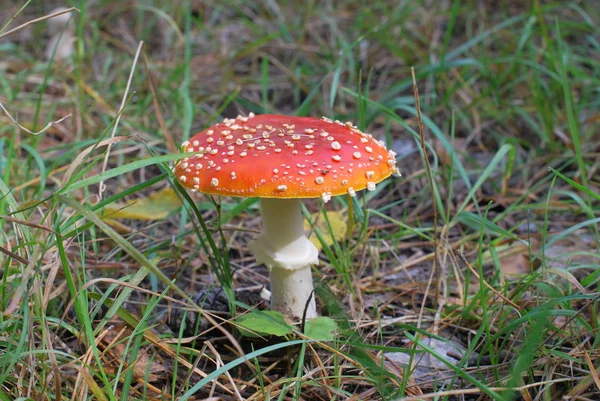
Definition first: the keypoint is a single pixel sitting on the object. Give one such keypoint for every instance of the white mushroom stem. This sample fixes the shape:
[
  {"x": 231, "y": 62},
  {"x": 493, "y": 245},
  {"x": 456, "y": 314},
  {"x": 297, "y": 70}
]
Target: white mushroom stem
[{"x": 288, "y": 254}]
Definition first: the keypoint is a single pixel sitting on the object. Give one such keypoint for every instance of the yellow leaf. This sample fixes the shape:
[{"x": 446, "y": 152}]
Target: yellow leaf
[
  {"x": 154, "y": 207},
  {"x": 332, "y": 229}
]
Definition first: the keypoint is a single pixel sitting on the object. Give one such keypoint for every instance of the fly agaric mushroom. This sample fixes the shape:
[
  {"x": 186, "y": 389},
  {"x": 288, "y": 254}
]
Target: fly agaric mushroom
[{"x": 281, "y": 160}]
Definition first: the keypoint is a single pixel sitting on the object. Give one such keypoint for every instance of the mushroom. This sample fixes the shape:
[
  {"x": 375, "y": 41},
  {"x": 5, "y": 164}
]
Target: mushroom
[{"x": 281, "y": 160}]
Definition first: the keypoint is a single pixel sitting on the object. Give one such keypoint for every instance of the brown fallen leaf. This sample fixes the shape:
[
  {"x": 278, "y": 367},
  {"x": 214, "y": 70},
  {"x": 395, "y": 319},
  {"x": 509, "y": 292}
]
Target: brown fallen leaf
[{"x": 515, "y": 264}]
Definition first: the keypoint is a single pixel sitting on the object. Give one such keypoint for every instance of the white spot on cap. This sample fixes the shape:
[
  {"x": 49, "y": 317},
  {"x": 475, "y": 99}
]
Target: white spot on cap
[
  {"x": 214, "y": 182},
  {"x": 369, "y": 174},
  {"x": 182, "y": 178},
  {"x": 368, "y": 149},
  {"x": 336, "y": 145},
  {"x": 371, "y": 186},
  {"x": 336, "y": 158},
  {"x": 282, "y": 188},
  {"x": 319, "y": 180},
  {"x": 326, "y": 196},
  {"x": 356, "y": 155},
  {"x": 351, "y": 191},
  {"x": 344, "y": 182},
  {"x": 198, "y": 166},
  {"x": 196, "y": 180}
]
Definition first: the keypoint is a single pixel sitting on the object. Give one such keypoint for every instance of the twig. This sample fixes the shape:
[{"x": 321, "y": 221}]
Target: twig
[
  {"x": 50, "y": 124},
  {"x": 306, "y": 306},
  {"x": 33, "y": 21},
  {"x": 219, "y": 363},
  {"x": 27, "y": 223},
  {"x": 13, "y": 255}
]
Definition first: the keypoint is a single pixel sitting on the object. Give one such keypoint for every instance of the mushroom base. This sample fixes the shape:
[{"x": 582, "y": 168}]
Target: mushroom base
[
  {"x": 293, "y": 289},
  {"x": 286, "y": 251}
]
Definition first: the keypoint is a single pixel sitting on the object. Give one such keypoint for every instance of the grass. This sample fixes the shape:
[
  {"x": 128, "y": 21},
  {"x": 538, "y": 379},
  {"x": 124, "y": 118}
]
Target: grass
[{"x": 97, "y": 305}]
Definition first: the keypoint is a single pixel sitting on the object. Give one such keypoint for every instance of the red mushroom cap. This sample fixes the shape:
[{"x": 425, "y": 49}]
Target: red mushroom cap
[{"x": 275, "y": 156}]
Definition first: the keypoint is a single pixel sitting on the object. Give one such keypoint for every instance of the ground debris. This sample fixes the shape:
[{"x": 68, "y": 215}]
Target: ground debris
[{"x": 427, "y": 370}]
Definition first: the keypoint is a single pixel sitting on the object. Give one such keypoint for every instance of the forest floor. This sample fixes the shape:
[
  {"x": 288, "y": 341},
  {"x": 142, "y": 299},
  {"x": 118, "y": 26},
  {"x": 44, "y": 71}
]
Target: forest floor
[{"x": 472, "y": 276}]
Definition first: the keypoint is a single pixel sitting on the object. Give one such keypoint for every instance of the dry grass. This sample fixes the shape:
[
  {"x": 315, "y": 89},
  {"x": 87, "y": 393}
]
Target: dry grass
[{"x": 103, "y": 306}]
